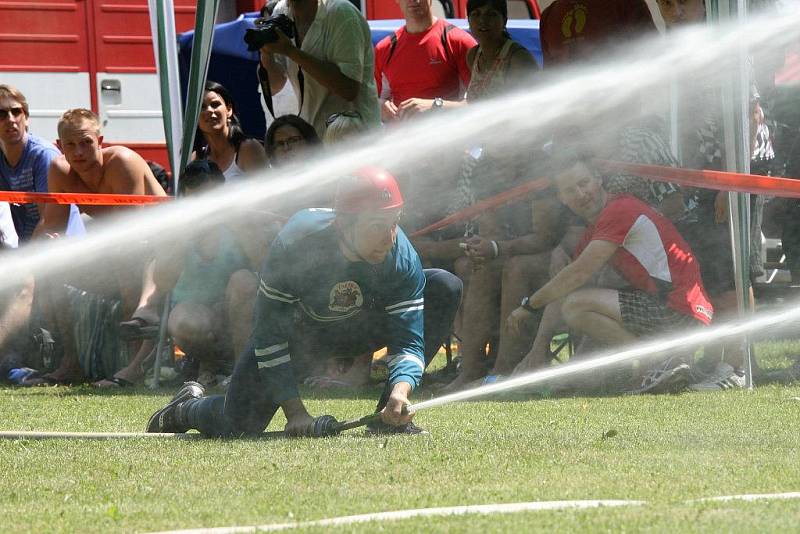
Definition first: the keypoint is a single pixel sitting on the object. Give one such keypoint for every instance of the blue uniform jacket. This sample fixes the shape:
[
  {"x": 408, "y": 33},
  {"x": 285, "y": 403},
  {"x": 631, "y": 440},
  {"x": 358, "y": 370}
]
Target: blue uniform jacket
[{"x": 306, "y": 277}]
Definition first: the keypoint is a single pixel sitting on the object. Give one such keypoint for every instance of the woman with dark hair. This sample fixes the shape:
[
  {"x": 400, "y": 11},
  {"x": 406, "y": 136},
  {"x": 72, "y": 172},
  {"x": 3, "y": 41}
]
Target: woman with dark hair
[
  {"x": 220, "y": 137},
  {"x": 498, "y": 63},
  {"x": 287, "y": 137}
]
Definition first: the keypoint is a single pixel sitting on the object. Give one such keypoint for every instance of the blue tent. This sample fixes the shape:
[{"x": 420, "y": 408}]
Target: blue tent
[{"x": 234, "y": 66}]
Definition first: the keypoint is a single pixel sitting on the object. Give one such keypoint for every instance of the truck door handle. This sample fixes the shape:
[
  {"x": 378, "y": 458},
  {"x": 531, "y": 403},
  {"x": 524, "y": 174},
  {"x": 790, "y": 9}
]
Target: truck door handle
[{"x": 110, "y": 85}]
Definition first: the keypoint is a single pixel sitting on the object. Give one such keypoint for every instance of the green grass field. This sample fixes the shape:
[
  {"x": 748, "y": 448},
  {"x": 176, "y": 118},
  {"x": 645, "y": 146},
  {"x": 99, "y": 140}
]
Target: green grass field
[{"x": 665, "y": 450}]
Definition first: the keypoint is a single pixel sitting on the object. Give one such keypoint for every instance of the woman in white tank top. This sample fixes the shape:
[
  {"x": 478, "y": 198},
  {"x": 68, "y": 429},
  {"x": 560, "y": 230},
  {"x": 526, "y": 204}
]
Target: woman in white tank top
[{"x": 220, "y": 137}]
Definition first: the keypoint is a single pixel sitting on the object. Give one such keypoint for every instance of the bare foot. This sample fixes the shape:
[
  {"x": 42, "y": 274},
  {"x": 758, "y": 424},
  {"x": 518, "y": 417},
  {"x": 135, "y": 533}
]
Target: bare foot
[
  {"x": 130, "y": 374},
  {"x": 66, "y": 375}
]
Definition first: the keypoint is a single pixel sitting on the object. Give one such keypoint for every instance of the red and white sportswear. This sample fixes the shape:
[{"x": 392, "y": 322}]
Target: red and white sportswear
[{"x": 652, "y": 256}]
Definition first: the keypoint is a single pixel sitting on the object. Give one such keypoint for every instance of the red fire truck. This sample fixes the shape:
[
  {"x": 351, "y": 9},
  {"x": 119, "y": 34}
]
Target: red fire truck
[{"x": 96, "y": 54}]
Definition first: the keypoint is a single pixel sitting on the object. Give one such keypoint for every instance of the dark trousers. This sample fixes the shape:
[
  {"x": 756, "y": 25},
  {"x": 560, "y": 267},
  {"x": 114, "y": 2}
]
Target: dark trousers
[{"x": 247, "y": 408}]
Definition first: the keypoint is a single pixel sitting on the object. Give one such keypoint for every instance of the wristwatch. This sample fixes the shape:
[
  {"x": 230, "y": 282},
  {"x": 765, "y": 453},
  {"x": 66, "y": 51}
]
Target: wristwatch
[
  {"x": 438, "y": 103},
  {"x": 525, "y": 305}
]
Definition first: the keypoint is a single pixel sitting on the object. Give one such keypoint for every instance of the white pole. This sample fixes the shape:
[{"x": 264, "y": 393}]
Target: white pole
[{"x": 736, "y": 128}]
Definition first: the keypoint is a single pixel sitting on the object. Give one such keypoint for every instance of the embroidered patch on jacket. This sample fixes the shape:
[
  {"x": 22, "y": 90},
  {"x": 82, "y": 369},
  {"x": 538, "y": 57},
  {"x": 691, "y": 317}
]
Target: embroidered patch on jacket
[{"x": 345, "y": 296}]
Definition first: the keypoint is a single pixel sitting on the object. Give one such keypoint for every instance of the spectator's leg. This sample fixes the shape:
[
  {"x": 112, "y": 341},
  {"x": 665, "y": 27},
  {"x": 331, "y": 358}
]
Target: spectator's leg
[
  {"x": 15, "y": 312},
  {"x": 146, "y": 304},
  {"x": 595, "y": 312},
  {"x": 480, "y": 316},
  {"x": 158, "y": 276},
  {"x": 198, "y": 330},
  {"x": 240, "y": 298},
  {"x": 463, "y": 270},
  {"x": 194, "y": 327},
  {"x": 442, "y": 300},
  {"x": 552, "y": 323},
  {"x": 53, "y": 297},
  {"x": 522, "y": 276}
]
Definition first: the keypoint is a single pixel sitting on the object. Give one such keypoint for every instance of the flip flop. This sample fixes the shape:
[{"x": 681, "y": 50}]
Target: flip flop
[
  {"x": 137, "y": 328},
  {"x": 42, "y": 380},
  {"x": 117, "y": 381}
]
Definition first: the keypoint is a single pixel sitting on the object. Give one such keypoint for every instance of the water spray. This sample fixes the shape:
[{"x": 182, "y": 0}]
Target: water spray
[
  {"x": 514, "y": 117},
  {"x": 643, "y": 351}
]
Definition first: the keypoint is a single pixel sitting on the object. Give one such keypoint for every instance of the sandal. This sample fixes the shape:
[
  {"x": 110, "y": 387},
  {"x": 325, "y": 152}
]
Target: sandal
[
  {"x": 137, "y": 328},
  {"x": 116, "y": 381}
]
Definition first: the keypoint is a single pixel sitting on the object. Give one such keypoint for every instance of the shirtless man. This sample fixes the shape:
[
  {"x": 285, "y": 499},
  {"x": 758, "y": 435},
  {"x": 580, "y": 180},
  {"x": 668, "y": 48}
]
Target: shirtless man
[{"x": 87, "y": 167}]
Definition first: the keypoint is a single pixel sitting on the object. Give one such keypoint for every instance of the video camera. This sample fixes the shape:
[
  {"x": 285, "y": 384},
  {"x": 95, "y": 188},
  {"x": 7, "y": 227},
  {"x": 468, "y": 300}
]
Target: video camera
[{"x": 266, "y": 31}]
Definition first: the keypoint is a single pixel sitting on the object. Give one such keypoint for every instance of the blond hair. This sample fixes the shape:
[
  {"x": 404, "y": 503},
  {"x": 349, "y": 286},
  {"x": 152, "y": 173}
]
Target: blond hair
[
  {"x": 76, "y": 117},
  {"x": 11, "y": 92}
]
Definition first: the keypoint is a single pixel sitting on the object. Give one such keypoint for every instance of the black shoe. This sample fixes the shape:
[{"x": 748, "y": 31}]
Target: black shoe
[
  {"x": 381, "y": 429},
  {"x": 165, "y": 419}
]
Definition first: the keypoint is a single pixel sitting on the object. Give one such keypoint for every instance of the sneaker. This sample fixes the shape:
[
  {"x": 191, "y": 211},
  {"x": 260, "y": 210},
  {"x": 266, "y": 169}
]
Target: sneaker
[
  {"x": 165, "y": 419},
  {"x": 664, "y": 380},
  {"x": 724, "y": 376},
  {"x": 382, "y": 429}
]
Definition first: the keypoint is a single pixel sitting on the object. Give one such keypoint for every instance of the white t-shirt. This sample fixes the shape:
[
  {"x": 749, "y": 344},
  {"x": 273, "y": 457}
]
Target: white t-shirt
[
  {"x": 10, "y": 239},
  {"x": 340, "y": 35},
  {"x": 284, "y": 103}
]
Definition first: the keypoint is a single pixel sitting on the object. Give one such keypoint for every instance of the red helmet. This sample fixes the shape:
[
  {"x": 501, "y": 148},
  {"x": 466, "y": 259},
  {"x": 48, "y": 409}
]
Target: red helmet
[{"x": 368, "y": 189}]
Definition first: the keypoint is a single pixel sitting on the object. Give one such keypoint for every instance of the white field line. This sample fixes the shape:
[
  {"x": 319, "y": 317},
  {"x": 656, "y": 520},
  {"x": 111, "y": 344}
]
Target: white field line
[
  {"x": 751, "y": 497},
  {"x": 483, "y": 509}
]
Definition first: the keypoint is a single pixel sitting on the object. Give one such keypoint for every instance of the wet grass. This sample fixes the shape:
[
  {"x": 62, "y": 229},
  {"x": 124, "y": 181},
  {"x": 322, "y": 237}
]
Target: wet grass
[{"x": 665, "y": 450}]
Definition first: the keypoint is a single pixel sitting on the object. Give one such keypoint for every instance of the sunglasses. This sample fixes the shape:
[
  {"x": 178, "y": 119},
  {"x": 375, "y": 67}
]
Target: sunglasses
[{"x": 14, "y": 112}]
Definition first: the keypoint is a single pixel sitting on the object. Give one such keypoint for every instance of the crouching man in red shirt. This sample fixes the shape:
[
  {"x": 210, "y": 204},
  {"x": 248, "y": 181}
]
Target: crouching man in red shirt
[{"x": 663, "y": 292}]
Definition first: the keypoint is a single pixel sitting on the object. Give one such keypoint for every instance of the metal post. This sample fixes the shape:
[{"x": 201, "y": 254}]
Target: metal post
[
  {"x": 736, "y": 127},
  {"x": 162, "y": 340}
]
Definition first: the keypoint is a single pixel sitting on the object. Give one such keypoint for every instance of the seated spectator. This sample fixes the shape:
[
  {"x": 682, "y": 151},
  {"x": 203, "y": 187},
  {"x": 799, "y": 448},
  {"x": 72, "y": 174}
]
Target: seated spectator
[
  {"x": 288, "y": 137},
  {"x": 24, "y": 158},
  {"x": 503, "y": 272},
  {"x": 341, "y": 126},
  {"x": 664, "y": 293},
  {"x": 15, "y": 306},
  {"x": 421, "y": 67},
  {"x": 498, "y": 63},
  {"x": 220, "y": 137},
  {"x": 87, "y": 167},
  {"x": 212, "y": 286},
  {"x": 214, "y": 289},
  {"x": 162, "y": 176}
]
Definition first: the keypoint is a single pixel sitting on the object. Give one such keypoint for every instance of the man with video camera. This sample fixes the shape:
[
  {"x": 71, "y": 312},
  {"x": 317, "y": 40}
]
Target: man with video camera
[{"x": 324, "y": 48}]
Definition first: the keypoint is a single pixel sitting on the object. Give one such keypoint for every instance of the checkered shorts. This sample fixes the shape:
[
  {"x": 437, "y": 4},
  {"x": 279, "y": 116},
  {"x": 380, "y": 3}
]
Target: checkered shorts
[{"x": 646, "y": 315}]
